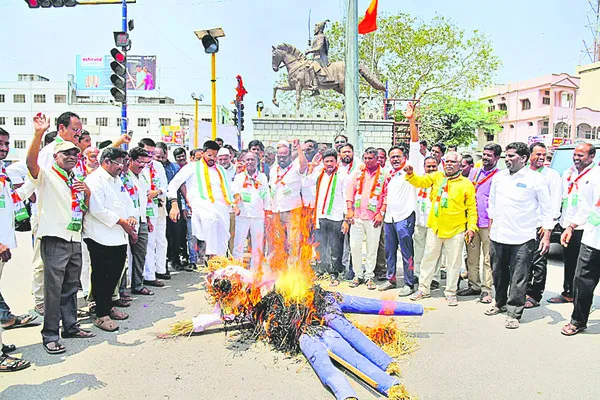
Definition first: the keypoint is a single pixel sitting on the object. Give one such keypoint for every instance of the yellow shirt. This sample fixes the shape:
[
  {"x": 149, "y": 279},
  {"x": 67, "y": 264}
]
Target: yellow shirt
[{"x": 461, "y": 213}]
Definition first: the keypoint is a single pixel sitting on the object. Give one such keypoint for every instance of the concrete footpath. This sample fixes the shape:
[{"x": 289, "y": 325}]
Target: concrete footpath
[{"x": 464, "y": 354}]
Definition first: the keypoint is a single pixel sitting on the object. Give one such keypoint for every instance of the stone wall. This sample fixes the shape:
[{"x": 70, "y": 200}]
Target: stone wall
[{"x": 271, "y": 129}]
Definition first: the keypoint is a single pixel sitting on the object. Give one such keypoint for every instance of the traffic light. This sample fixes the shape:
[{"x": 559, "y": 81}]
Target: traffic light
[
  {"x": 240, "y": 116},
  {"x": 118, "y": 78},
  {"x": 50, "y": 3},
  {"x": 210, "y": 43},
  {"x": 234, "y": 116}
]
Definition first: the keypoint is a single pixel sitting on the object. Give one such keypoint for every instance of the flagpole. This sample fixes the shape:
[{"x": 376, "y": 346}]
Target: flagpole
[{"x": 351, "y": 82}]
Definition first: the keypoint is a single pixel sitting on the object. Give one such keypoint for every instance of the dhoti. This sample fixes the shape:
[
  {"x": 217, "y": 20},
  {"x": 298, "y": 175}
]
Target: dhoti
[{"x": 210, "y": 222}]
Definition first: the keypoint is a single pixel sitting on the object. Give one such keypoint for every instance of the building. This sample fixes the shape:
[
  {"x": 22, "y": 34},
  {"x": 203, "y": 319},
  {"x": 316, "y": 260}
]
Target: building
[
  {"x": 545, "y": 108},
  {"x": 21, "y": 100}
]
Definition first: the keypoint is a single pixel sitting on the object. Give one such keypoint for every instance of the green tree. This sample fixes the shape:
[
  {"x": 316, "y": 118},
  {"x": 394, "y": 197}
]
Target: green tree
[
  {"x": 455, "y": 121},
  {"x": 420, "y": 60}
]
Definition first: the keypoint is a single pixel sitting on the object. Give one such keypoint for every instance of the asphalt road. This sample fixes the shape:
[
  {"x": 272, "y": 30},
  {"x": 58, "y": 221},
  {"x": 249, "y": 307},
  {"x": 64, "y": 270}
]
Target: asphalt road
[{"x": 464, "y": 354}]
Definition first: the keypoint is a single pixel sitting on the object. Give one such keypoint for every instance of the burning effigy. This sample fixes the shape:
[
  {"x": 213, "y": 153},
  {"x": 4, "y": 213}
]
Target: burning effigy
[{"x": 281, "y": 303}]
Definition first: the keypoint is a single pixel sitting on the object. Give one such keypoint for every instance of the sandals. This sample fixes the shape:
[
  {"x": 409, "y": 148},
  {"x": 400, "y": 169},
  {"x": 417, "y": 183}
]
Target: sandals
[
  {"x": 106, "y": 324},
  {"x": 560, "y": 299},
  {"x": 571, "y": 330},
  {"x": 511, "y": 323},
  {"x": 144, "y": 292},
  {"x": 334, "y": 282},
  {"x": 531, "y": 303},
  {"x": 80, "y": 333},
  {"x": 12, "y": 364},
  {"x": 54, "y": 348},
  {"x": 39, "y": 309},
  {"x": 371, "y": 285},
  {"x": 495, "y": 311},
  {"x": 486, "y": 298},
  {"x": 20, "y": 321},
  {"x": 355, "y": 282},
  {"x": 126, "y": 297},
  {"x": 121, "y": 303},
  {"x": 118, "y": 315},
  {"x": 8, "y": 348}
]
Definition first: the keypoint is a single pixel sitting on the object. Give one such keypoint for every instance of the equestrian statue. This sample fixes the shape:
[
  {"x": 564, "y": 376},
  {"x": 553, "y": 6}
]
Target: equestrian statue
[{"x": 315, "y": 74}]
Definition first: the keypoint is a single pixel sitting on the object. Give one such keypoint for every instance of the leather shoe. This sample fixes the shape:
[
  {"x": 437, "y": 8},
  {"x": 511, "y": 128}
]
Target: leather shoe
[
  {"x": 468, "y": 292},
  {"x": 165, "y": 277},
  {"x": 154, "y": 283}
]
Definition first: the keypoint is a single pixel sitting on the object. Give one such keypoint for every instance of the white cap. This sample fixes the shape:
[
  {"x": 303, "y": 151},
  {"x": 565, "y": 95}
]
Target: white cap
[
  {"x": 283, "y": 143},
  {"x": 223, "y": 152}
]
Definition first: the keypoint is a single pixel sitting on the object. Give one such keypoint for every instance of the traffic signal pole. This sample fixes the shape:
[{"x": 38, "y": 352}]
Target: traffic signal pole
[{"x": 124, "y": 27}]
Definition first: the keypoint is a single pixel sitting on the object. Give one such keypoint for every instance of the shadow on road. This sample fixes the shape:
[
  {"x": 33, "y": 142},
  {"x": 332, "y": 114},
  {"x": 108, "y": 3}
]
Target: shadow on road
[
  {"x": 62, "y": 387},
  {"x": 143, "y": 313}
]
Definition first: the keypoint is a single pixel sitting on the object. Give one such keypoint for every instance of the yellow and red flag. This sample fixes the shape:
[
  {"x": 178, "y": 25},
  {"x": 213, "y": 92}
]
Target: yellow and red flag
[{"x": 369, "y": 22}]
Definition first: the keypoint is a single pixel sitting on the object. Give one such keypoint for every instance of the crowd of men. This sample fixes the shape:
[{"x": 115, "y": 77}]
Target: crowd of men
[{"x": 111, "y": 223}]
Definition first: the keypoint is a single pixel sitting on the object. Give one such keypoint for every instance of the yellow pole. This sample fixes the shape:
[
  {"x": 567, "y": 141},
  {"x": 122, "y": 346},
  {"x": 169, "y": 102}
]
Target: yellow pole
[
  {"x": 196, "y": 126},
  {"x": 214, "y": 96}
]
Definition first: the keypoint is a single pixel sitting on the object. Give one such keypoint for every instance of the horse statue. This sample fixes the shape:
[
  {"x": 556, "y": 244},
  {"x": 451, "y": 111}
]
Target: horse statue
[{"x": 305, "y": 74}]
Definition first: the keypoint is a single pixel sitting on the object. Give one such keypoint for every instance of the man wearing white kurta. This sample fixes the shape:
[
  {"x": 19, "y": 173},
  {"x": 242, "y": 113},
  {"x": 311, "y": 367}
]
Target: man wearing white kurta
[
  {"x": 156, "y": 256},
  {"x": 209, "y": 197},
  {"x": 253, "y": 200}
]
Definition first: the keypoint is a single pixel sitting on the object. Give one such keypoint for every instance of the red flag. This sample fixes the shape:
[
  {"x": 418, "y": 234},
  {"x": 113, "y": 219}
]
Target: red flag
[{"x": 369, "y": 22}]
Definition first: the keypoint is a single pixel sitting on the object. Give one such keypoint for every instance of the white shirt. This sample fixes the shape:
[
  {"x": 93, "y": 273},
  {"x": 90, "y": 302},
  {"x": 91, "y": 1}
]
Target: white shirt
[
  {"x": 54, "y": 205},
  {"x": 579, "y": 183},
  {"x": 162, "y": 185},
  {"x": 350, "y": 168},
  {"x": 230, "y": 172},
  {"x": 286, "y": 186},
  {"x": 401, "y": 198},
  {"x": 423, "y": 207},
  {"x": 7, "y": 216},
  {"x": 109, "y": 203},
  {"x": 254, "y": 200},
  {"x": 187, "y": 175},
  {"x": 143, "y": 186},
  {"x": 514, "y": 203},
  {"x": 555, "y": 187},
  {"x": 309, "y": 188},
  {"x": 17, "y": 172},
  {"x": 589, "y": 211},
  {"x": 338, "y": 206},
  {"x": 416, "y": 158}
]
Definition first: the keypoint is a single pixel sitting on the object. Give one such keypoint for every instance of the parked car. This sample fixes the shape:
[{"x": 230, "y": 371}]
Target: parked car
[{"x": 562, "y": 157}]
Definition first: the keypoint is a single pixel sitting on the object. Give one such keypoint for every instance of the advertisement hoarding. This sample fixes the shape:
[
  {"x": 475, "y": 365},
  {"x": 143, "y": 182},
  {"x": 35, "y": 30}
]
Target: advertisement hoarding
[
  {"x": 173, "y": 134},
  {"x": 92, "y": 74}
]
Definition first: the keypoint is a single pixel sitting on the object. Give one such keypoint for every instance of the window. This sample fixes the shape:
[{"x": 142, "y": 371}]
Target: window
[
  {"x": 185, "y": 122},
  {"x": 530, "y": 123},
  {"x": 102, "y": 121},
  {"x": 164, "y": 121},
  {"x": 566, "y": 100},
  {"x": 2, "y": 120},
  {"x": 2, "y": 100},
  {"x": 547, "y": 93},
  {"x": 525, "y": 104},
  {"x": 19, "y": 121},
  {"x": 39, "y": 98},
  {"x": 119, "y": 120},
  {"x": 143, "y": 121},
  {"x": 489, "y": 137},
  {"x": 60, "y": 98},
  {"x": 512, "y": 126},
  {"x": 20, "y": 144},
  {"x": 491, "y": 108},
  {"x": 502, "y": 106},
  {"x": 491, "y": 101},
  {"x": 83, "y": 120},
  {"x": 546, "y": 101},
  {"x": 19, "y": 98},
  {"x": 207, "y": 119}
]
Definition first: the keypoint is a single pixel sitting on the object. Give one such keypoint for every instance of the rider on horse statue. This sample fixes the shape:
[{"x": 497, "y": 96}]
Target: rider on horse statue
[{"x": 318, "y": 72}]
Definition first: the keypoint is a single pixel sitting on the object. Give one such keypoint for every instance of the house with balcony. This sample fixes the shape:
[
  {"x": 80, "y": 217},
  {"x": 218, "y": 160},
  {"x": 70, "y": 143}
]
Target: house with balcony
[{"x": 540, "y": 109}]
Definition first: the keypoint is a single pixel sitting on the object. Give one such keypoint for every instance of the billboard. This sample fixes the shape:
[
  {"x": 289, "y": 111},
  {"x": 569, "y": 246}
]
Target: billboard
[
  {"x": 92, "y": 74},
  {"x": 173, "y": 134}
]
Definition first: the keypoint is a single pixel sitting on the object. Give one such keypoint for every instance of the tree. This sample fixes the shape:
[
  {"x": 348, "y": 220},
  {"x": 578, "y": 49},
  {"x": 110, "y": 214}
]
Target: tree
[
  {"x": 454, "y": 121},
  {"x": 420, "y": 60}
]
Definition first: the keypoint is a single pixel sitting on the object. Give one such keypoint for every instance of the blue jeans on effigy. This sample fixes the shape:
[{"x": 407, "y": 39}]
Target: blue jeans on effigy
[{"x": 400, "y": 233}]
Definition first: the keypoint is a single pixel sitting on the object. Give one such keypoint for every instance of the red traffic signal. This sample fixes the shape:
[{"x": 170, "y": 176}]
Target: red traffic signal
[
  {"x": 118, "y": 77},
  {"x": 50, "y": 3}
]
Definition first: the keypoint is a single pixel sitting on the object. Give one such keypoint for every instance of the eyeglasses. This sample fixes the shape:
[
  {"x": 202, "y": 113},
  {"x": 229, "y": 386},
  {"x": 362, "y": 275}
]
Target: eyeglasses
[
  {"x": 339, "y": 142},
  {"x": 122, "y": 163}
]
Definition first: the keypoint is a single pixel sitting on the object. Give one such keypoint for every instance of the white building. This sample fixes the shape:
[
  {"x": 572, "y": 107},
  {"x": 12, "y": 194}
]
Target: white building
[{"x": 21, "y": 100}]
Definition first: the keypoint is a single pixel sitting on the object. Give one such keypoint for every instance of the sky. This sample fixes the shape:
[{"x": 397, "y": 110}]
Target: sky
[{"x": 531, "y": 37}]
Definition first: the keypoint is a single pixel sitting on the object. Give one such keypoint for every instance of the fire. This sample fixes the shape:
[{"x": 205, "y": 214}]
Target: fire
[
  {"x": 390, "y": 337},
  {"x": 294, "y": 285}
]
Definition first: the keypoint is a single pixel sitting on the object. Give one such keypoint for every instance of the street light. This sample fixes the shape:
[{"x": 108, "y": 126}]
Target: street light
[
  {"x": 210, "y": 42},
  {"x": 198, "y": 98}
]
